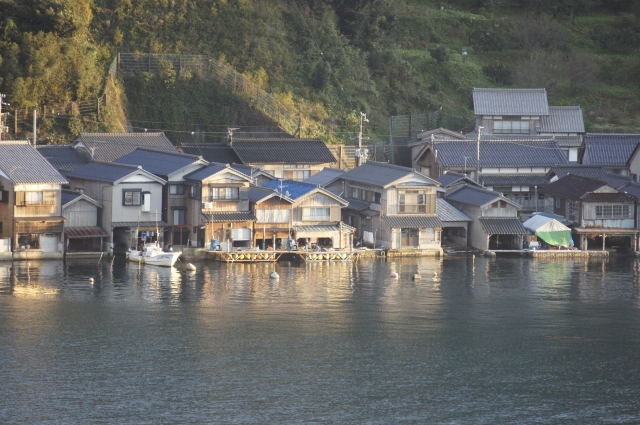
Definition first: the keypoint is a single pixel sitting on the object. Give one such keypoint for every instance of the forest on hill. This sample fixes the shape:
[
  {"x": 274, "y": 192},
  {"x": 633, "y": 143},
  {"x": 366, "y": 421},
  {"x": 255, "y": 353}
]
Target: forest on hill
[{"x": 324, "y": 60}]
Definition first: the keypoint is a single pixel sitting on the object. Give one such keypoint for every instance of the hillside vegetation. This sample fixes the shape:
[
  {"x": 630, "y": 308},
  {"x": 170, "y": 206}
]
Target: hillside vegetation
[{"x": 326, "y": 60}]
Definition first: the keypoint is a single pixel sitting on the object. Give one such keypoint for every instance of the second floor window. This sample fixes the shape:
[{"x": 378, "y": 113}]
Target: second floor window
[
  {"x": 272, "y": 216},
  {"x": 499, "y": 204},
  {"x": 510, "y": 127},
  {"x": 225, "y": 193},
  {"x": 572, "y": 210},
  {"x": 612, "y": 211},
  {"x": 176, "y": 189},
  {"x": 33, "y": 198},
  {"x": 316, "y": 214},
  {"x": 131, "y": 197},
  {"x": 195, "y": 192},
  {"x": 412, "y": 202}
]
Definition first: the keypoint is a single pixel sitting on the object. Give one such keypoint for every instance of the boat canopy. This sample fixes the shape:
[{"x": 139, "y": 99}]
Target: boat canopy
[{"x": 549, "y": 230}]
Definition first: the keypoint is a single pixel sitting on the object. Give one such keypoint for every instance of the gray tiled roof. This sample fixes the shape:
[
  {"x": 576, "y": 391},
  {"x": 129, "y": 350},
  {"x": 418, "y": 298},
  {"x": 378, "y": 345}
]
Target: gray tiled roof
[
  {"x": 632, "y": 188},
  {"x": 609, "y": 149},
  {"x": 206, "y": 172},
  {"x": 111, "y": 146},
  {"x": 324, "y": 176},
  {"x": 596, "y": 172},
  {"x": 378, "y": 173},
  {"x": 324, "y": 228},
  {"x": 532, "y": 153},
  {"x": 139, "y": 224},
  {"x": 62, "y": 157},
  {"x": 531, "y": 102},
  {"x": 230, "y": 216},
  {"x": 212, "y": 152},
  {"x": 160, "y": 163},
  {"x": 502, "y": 226},
  {"x": 563, "y": 119},
  {"x": 572, "y": 187},
  {"x": 282, "y": 151},
  {"x": 357, "y": 205},
  {"x": 473, "y": 195},
  {"x": 450, "y": 178},
  {"x": 568, "y": 141},
  {"x": 67, "y": 196},
  {"x": 514, "y": 180},
  {"x": 103, "y": 171},
  {"x": 607, "y": 197},
  {"x": 448, "y": 213},
  {"x": 412, "y": 221},
  {"x": 23, "y": 164}
]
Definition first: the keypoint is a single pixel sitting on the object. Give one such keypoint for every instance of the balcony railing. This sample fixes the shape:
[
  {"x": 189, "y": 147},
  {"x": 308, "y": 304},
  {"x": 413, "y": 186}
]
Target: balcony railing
[
  {"x": 35, "y": 203},
  {"x": 412, "y": 209}
]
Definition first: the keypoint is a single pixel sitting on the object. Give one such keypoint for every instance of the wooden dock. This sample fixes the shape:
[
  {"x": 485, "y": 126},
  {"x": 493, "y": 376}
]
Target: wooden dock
[{"x": 248, "y": 256}]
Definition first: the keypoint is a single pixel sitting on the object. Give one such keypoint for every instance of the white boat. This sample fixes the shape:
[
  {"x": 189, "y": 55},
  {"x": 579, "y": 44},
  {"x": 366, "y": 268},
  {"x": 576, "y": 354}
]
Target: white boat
[{"x": 154, "y": 255}]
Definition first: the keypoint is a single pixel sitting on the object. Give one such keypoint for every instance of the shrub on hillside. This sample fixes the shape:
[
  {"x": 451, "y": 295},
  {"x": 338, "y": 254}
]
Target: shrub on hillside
[{"x": 439, "y": 53}]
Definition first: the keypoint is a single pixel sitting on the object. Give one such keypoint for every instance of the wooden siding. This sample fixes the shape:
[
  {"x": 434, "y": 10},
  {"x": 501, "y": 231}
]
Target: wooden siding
[{"x": 80, "y": 214}]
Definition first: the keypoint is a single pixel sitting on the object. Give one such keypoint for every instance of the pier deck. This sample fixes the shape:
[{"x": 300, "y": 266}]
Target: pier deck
[{"x": 249, "y": 256}]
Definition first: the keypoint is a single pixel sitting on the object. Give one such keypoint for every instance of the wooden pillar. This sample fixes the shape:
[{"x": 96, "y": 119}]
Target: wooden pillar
[{"x": 604, "y": 237}]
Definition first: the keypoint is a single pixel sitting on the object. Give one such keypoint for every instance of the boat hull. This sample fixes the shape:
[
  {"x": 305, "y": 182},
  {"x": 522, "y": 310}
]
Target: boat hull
[{"x": 162, "y": 259}]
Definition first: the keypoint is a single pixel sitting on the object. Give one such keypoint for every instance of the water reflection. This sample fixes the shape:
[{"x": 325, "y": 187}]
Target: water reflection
[{"x": 474, "y": 340}]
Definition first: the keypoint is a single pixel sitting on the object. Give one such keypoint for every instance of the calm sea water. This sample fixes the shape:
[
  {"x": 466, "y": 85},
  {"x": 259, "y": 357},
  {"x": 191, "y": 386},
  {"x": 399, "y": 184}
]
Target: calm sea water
[{"x": 475, "y": 341}]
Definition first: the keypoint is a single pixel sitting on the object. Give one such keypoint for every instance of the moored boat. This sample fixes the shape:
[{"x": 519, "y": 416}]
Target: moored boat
[{"x": 154, "y": 255}]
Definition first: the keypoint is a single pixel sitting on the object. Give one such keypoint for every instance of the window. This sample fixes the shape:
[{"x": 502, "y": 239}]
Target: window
[
  {"x": 510, "y": 127},
  {"x": 557, "y": 202},
  {"x": 176, "y": 189},
  {"x": 131, "y": 197},
  {"x": 272, "y": 216},
  {"x": 572, "y": 210},
  {"x": 179, "y": 217},
  {"x": 195, "y": 192},
  {"x": 376, "y": 197},
  {"x": 33, "y": 198},
  {"x": 316, "y": 214},
  {"x": 298, "y": 175},
  {"x": 499, "y": 204},
  {"x": 612, "y": 211},
  {"x": 412, "y": 202},
  {"x": 225, "y": 193},
  {"x": 355, "y": 193},
  {"x": 297, "y": 166}
]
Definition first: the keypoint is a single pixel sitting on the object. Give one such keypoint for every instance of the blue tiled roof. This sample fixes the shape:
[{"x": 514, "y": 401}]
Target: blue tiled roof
[
  {"x": 67, "y": 196},
  {"x": 158, "y": 162},
  {"x": 452, "y": 153},
  {"x": 62, "y": 157},
  {"x": 609, "y": 149},
  {"x": 290, "y": 188},
  {"x": 103, "y": 171}
]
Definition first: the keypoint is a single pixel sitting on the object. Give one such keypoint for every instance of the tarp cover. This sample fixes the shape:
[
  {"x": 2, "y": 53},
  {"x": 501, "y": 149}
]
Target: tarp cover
[{"x": 549, "y": 230}]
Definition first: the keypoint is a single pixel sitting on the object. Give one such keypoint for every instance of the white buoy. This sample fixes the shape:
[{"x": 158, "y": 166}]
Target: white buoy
[
  {"x": 91, "y": 280},
  {"x": 274, "y": 275},
  {"x": 393, "y": 275},
  {"x": 190, "y": 267}
]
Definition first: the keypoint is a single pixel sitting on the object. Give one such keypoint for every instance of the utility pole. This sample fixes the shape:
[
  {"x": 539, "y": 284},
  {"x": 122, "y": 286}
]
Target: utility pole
[
  {"x": 361, "y": 152},
  {"x": 478, "y": 156},
  {"x": 2, "y": 127}
]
